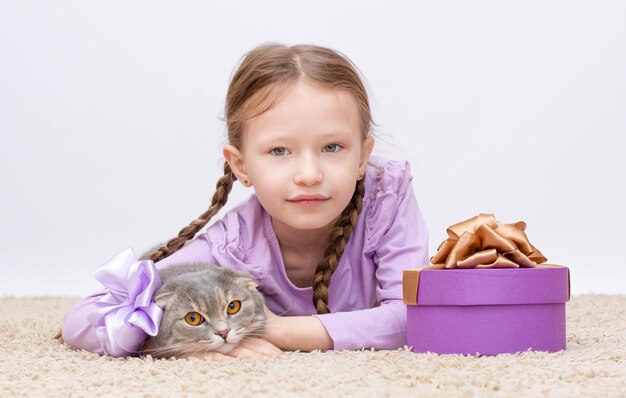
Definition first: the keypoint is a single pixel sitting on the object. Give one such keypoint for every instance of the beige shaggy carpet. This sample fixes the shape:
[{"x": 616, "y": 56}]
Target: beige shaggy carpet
[{"x": 594, "y": 364}]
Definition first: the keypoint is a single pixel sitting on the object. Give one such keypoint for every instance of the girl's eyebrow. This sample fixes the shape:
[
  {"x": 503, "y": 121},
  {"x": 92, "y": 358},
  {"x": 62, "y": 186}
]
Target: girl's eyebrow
[
  {"x": 270, "y": 136},
  {"x": 334, "y": 133}
]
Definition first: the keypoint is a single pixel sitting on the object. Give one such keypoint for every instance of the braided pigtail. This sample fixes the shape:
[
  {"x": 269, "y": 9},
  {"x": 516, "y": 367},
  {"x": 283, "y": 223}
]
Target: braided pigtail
[
  {"x": 222, "y": 189},
  {"x": 338, "y": 239}
]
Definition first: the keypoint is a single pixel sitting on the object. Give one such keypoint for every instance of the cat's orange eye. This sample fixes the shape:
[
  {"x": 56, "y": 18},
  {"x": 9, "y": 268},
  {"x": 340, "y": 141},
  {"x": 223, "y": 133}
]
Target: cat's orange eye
[
  {"x": 193, "y": 318},
  {"x": 233, "y": 307}
]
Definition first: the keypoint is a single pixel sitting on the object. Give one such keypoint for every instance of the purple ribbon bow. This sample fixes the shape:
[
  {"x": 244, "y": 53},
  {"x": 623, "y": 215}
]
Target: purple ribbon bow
[{"x": 126, "y": 314}]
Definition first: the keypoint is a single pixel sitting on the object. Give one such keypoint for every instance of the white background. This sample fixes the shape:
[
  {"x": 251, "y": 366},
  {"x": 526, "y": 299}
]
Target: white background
[{"x": 111, "y": 138}]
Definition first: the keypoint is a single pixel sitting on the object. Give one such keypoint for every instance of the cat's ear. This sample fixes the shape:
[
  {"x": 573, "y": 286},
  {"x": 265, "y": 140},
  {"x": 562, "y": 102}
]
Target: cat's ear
[
  {"x": 162, "y": 299},
  {"x": 249, "y": 283}
]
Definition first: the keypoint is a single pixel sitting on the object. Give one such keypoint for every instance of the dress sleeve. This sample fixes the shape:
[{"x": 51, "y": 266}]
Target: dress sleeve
[
  {"x": 398, "y": 238},
  {"x": 222, "y": 244},
  {"x": 77, "y": 332}
]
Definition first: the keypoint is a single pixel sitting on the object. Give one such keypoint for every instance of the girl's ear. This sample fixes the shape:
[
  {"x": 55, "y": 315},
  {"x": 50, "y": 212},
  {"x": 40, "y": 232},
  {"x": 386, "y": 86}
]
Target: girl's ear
[
  {"x": 366, "y": 150},
  {"x": 234, "y": 157}
]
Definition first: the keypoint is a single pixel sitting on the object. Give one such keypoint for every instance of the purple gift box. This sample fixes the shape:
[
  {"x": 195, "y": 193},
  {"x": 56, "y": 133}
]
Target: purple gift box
[{"x": 486, "y": 311}]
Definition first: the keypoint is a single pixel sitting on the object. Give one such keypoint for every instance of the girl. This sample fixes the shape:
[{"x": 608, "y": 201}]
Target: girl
[{"x": 329, "y": 229}]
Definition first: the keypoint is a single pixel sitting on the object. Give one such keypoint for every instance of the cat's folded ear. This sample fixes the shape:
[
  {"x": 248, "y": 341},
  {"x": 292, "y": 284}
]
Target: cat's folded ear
[
  {"x": 248, "y": 283},
  {"x": 162, "y": 299}
]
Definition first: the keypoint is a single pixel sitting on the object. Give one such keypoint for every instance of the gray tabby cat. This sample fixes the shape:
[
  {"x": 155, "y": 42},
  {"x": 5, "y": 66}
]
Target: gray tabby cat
[{"x": 205, "y": 308}]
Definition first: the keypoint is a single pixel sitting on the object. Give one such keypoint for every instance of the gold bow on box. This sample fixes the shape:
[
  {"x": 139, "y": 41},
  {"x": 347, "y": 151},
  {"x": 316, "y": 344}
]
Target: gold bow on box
[
  {"x": 483, "y": 242},
  {"x": 480, "y": 242}
]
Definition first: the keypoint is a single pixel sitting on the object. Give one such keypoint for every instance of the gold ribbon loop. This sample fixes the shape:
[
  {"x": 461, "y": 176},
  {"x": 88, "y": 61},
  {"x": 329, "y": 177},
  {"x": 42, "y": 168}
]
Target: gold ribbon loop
[
  {"x": 483, "y": 242},
  {"x": 482, "y": 257},
  {"x": 467, "y": 244}
]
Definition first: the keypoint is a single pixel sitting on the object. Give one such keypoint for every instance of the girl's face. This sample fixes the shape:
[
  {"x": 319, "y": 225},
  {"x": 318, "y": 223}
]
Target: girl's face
[{"x": 303, "y": 156}]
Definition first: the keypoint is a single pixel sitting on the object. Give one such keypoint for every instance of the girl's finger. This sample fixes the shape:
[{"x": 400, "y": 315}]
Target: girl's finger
[
  {"x": 243, "y": 352},
  {"x": 263, "y": 346},
  {"x": 214, "y": 356}
]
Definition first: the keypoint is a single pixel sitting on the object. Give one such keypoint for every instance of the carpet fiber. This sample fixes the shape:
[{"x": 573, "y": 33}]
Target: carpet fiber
[{"x": 594, "y": 364}]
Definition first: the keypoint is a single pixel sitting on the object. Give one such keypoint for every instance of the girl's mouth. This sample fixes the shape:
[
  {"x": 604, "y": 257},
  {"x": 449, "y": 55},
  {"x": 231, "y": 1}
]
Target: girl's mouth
[{"x": 308, "y": 200}]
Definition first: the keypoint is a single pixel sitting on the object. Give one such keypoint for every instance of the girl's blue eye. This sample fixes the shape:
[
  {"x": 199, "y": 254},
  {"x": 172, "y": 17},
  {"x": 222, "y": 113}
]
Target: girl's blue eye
[
  {"x": 278, "y": 151},
  {"x": 332, "y": 148}
]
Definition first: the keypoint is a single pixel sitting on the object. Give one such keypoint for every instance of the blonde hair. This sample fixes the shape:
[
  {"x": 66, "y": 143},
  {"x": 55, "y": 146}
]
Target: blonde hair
[{"x": 262, "y": 76}]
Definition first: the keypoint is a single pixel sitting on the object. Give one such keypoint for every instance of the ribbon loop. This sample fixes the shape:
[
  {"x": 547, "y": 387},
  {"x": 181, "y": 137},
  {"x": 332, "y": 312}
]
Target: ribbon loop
[
  {"x": 126, "y": 314},
  {"x": 483, "y": 242}
]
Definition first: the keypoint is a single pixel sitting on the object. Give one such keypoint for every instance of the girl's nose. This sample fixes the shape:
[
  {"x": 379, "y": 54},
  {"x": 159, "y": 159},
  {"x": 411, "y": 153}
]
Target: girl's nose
[{"x": 308, "y": 172}]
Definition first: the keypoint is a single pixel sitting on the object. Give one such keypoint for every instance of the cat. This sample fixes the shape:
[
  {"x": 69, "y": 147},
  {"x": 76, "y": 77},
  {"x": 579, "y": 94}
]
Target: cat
[{"x": 205, "y": 308}]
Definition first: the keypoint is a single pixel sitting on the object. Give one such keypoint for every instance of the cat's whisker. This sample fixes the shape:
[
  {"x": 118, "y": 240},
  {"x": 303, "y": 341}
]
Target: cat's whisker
[
  {"x": 266, "y": 327},
  {"x": 178, "y": 348},
  {"x": 286, "y": 311},
  {"x": 193, "y": 349},
  {"x": 247, "y": 338},
  {"x": 207, "y": 345},
  {"x": 253, "y": 330},
  {"x": 164, "y": 349},
  {"x": 188, "y": 348}
]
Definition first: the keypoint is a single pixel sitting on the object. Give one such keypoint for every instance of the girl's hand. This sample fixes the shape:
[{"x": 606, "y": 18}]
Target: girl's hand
[
  {"x": 274, "y": 326},
  {"x": 251, "y": 347},
  {"x": 257, "y": 349}
]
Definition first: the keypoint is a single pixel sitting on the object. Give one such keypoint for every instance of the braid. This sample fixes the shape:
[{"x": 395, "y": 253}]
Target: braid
[
  {"x": 338, "y": 239},
  {"x": 222, "y": 189}
]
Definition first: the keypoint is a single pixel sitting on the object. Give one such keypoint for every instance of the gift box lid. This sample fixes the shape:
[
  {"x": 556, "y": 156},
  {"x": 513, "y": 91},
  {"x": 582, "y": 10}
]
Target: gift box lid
[{"x": 546, "y": 283}]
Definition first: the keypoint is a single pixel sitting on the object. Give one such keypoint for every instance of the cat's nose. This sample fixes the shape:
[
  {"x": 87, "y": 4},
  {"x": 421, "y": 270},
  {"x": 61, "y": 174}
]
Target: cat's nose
[{"x": 223, "y": 333}]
